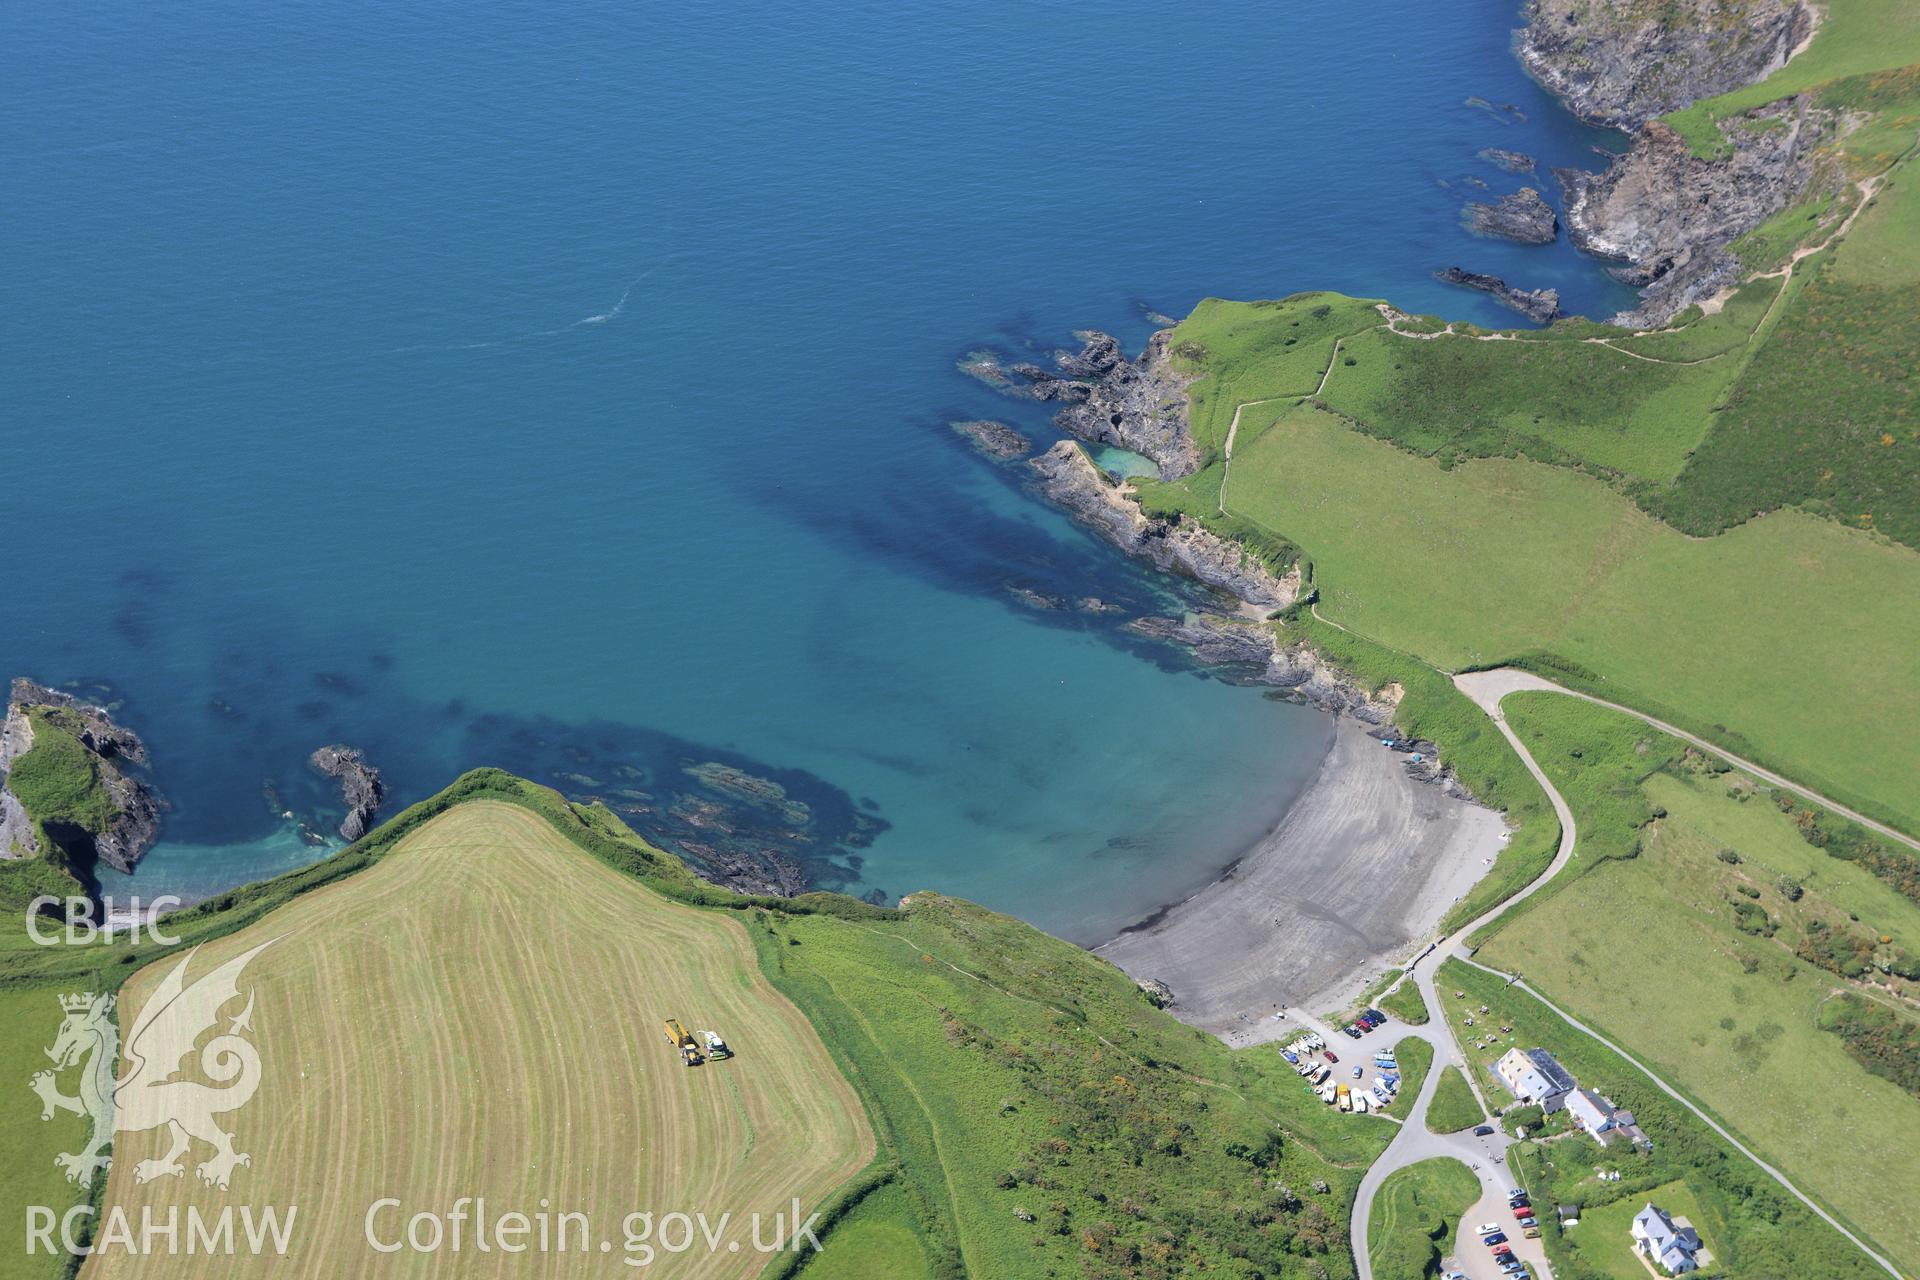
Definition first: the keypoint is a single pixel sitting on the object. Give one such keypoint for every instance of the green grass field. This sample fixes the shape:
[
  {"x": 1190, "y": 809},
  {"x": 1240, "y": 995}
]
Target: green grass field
[
  {"x": 879, "y": 1240},
  {"x": 1605, "y": 586},
  {"x": 31, "y": 1017},
  {"x": 479, "y": 1014},
  {"x": 1730, "y": 1015},
  {"x": 1453, "y": 1107},
  {"x": 1760, "y": 1230},
  {"x": 1416, "y": 1216}
]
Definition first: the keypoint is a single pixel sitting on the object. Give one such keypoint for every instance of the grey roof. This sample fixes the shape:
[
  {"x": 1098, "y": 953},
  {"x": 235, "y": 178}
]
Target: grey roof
[{"x": 1548, "y": 1066}]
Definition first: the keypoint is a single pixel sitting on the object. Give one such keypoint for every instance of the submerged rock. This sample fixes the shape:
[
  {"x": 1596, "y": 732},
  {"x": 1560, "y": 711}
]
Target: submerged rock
[
  {"x": 1511, "y": 161},
  {"x": 995, "y": 439},
  {"x": 1523, "y": 217},
  {"x": 1539, "y": 305},
  {"x": 133, "y": 806},
  {"x": 360, "y": 786}
]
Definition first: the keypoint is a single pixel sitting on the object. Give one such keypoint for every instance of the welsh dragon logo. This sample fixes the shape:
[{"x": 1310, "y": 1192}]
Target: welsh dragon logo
[{"x": 148, "y": 1094}]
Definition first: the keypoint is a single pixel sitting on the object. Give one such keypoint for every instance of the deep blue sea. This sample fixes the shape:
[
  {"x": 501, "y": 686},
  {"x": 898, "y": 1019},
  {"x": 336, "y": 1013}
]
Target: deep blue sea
[{"x": 564, "y": 387}]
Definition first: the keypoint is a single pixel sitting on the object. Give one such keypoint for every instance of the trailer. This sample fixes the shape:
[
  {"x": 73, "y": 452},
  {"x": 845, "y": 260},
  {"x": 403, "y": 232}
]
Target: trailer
[{"x": 682, "y": 1039}]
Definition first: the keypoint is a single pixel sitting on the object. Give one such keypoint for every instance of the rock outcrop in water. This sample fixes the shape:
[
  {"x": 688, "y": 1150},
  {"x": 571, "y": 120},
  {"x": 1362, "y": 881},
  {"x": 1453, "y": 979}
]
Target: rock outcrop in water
[
  {"x": 1623, "y": 62},
  {"x": 131, "y": 821},
  {"x": 1136, "y": 404},
  {"x": 1523, "y": 217},
  {"x": 360, "y": 786},
  {"x": 1542, "y": 306},
  {"x": 1070, "y": 478}
]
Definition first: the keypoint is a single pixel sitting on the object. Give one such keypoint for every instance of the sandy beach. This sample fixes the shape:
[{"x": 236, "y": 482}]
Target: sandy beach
[{"x": 1364, "y": 864}]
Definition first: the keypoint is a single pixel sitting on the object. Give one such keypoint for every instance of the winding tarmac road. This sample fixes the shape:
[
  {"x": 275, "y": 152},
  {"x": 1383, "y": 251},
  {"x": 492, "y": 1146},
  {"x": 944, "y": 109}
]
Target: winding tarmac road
[{"x": 1413, "y": 1143}]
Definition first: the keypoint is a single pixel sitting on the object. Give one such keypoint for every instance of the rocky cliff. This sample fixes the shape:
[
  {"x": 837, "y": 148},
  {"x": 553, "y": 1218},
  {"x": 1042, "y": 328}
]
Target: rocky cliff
[
  {"x": 1668, "y": 216},
  {"x": 1136, "y": 404},
  {"x": 1623, "y": 62},
  {"x": 360, "y": 786},
  {"x": 103, "y": 810},
  {"x": 1069, "y": 478}
]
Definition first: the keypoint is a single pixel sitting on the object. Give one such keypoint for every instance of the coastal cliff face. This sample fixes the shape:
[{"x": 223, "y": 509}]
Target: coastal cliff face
[
  {"x": 1070, "y": 478},
  {"x": 1669, "y": 216},
  {"x": 63, "y": 771},
  {"x": 1623, "y": 62},
  {"x": 1662, "y": 212}
]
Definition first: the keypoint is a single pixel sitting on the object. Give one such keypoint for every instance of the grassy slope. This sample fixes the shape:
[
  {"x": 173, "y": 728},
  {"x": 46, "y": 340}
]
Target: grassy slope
[
  {"x": 1406, "y": 1004},
  {"x": 57, "y": 779},
  {"x": 1764, "y": 1231},
  {"x": 484, "y": 990},
  {"x": 1600, "y": 583},
  {"x": 1416, "y": 1216},
  {"x": 1013, "y": 1073},
  {"x": 957, "y": 1101},
  {"x": 1453, "y": 1107},
  {"x": 1728, "y": 1016}
]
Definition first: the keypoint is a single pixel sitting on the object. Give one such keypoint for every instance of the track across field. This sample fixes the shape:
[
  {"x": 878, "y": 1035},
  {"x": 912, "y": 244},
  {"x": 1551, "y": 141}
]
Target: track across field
[{"x": 480, "y": 1015}]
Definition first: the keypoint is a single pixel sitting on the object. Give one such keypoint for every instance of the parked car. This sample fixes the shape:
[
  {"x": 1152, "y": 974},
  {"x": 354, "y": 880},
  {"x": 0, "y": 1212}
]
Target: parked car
[
  {"x": 1332, "y": 1056},
  {"x": 1515, "y": 1193},
  {"x": 1529, "y": 1221},
  {"x": 1488, "y": 1228},
  {"x": 1495, "y": 1240},
  {"x": 1352, "y": 1031},
  {"x": 1482, "y": 1130},
  {"x": 1377, "y": 1016},
  {"x": 1358, "y": 1072},
  {"x": 1531, "y": 1233}
]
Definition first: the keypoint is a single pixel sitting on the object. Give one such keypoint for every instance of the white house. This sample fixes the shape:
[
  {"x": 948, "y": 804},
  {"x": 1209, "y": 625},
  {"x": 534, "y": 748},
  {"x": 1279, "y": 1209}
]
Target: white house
[
  {"x": 1534, "y": 1076},
  {"x": 1659, "y": 1238},
  {"x": 1596, "y": 1114}
]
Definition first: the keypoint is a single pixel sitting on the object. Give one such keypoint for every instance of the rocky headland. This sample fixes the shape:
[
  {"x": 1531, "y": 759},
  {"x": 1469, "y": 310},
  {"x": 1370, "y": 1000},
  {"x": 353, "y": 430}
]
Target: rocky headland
[
  {"x": 1139, "y": 404},
  {"x": 1669, "y": 216},
  {"x": 1665, "y": 214},
  {"x": 1523, "y": 217},
  {"x": 65, "y": 771},
  {"x": 360, "y": 786}
]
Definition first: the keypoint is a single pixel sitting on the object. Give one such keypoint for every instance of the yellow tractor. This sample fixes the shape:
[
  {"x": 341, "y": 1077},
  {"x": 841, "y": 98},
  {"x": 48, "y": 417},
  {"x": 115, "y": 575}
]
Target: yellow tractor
[{"x": 682, "y": 1039}]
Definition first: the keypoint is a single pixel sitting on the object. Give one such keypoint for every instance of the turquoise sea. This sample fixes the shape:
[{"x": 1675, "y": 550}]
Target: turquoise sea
[{"x": 564, "y": 387}]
